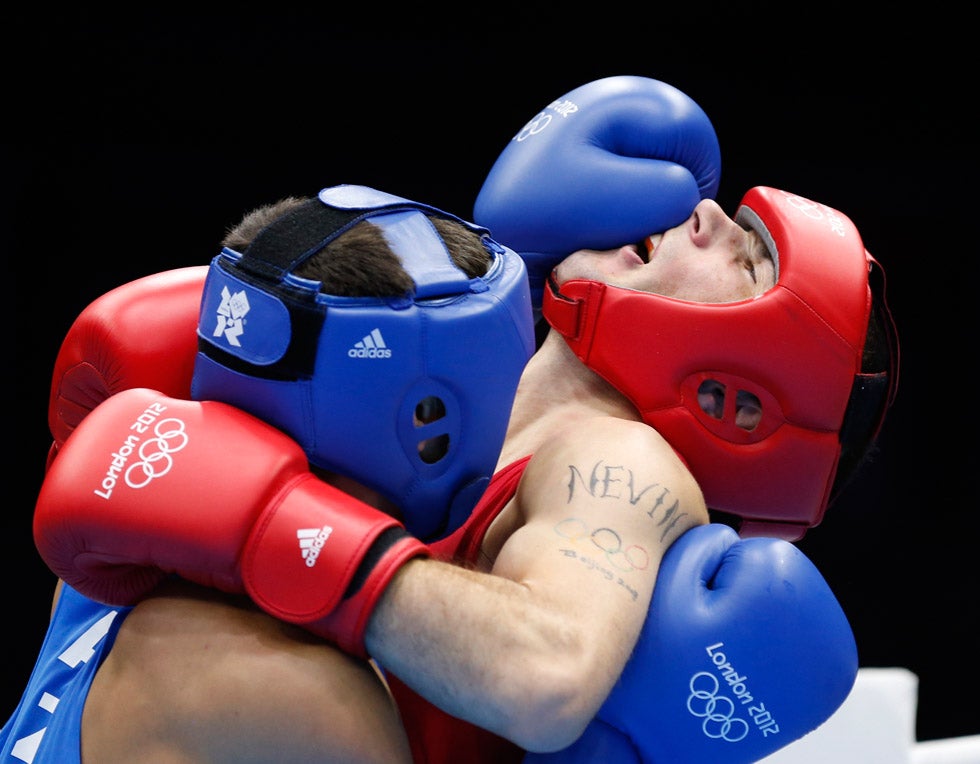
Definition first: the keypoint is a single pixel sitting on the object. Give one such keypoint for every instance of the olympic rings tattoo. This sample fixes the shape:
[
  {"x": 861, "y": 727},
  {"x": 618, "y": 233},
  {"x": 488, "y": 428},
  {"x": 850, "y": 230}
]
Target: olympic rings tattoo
[{"x": 608, "y": 542}]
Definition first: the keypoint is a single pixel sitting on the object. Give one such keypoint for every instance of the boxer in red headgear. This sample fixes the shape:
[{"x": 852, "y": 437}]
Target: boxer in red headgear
[
  {"x": 773, "y": 397},
  {"x": 796, "y": 354},
  {"x": 781, "y": 377}
]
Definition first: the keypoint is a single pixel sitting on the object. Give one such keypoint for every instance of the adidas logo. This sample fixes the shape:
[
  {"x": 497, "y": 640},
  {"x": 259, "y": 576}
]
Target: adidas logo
[
  {"x": 230, "y": 312},
  {"x": 372, "y": 346},
  {"x": 311, "y": 541}
]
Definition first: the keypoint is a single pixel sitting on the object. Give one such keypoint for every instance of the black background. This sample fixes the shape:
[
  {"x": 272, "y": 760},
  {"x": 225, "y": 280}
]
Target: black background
[{"x": 131, "y": 142}]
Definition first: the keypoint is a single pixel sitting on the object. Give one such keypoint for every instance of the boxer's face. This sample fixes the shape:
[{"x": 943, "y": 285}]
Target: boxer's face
[{"x": 708, "y": 258}]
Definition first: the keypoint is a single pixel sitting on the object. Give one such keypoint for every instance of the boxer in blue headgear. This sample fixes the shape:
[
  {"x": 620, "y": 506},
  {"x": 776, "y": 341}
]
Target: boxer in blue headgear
[
  {"x": 338, "y": 372},
  {"x": 429, "y": 287}
]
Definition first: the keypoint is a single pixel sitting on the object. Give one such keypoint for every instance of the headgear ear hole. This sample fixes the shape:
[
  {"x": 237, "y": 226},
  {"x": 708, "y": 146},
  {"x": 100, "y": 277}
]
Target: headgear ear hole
[
  {"x": 748, "y": 408},
  {"x": 429, "y": 409},
  {"x": 432, "y": 450},
  {"x": 711, "y": 398},
  {"x": 749, "y": 415}
]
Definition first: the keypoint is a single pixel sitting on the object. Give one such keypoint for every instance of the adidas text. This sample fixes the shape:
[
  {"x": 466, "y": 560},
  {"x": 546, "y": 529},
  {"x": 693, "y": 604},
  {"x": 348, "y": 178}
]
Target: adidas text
[
  {"x": 369, "y": 353},
  {"x": 372, "y": 345}
]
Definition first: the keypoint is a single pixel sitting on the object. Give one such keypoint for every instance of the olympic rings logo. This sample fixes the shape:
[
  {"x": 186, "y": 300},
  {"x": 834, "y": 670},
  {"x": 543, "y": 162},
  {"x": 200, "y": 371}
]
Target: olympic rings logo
[
  {"x": 608, "y": 542},
  {"x": 538, "y": 123},
  {"x": 717, "y": 710},
  {"x": 808, "y": 208},
  {"x": 816, "y": 211},
  {"x": 155, "y": 454}
]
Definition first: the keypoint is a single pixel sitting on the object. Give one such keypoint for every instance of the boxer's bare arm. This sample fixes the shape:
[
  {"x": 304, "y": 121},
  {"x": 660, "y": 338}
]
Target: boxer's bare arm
[{"x": 531, "y": 651}]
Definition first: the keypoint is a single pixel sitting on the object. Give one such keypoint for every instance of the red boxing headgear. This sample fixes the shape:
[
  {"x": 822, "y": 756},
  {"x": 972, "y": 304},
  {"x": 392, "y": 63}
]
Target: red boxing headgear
[{"x": 797, "y": 351}]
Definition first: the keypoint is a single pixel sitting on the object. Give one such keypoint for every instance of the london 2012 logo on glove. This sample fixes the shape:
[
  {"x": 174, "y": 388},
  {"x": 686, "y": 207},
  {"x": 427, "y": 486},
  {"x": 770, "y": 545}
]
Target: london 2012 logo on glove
[
  {"x": 155, "y": 460},
  {"x": 717, "y": 710}
]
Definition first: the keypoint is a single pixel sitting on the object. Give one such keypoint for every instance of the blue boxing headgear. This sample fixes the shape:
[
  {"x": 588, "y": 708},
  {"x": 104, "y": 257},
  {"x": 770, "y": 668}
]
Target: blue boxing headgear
[{"x": 342, "y": 375}]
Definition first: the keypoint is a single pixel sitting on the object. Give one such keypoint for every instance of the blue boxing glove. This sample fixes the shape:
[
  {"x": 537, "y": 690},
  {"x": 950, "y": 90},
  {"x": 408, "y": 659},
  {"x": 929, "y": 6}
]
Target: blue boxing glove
[
  {"x": 605, "y": 165},
  {"x": 745, "y": 650}
]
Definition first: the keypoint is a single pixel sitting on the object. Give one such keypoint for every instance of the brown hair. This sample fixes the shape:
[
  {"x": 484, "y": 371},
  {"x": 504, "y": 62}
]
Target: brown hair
[{"x": 360, "y": 262}]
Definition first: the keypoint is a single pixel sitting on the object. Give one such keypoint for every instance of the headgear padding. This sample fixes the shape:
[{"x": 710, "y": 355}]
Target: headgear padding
[
  {"x": 797, "y": 348},
  {"x": 350, "y": 378}
]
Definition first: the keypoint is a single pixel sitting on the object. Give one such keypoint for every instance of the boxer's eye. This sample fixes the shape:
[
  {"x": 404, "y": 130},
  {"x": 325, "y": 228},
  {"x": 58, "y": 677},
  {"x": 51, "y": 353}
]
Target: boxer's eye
[
  {"x": 646, "y": 247},
  {"x": 643, "y": 250}
]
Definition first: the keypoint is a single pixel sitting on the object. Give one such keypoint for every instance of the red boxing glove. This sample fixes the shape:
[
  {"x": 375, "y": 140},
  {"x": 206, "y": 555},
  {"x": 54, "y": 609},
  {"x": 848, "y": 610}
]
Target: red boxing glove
[
  {"x": 149, "y": 485},
  {"x": 140, "y": 334}
]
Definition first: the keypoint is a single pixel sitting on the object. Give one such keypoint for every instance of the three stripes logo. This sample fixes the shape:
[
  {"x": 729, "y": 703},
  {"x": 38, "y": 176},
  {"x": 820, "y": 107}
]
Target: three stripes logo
[
  {"x": 311, "y": 541},
  {"x": 372, "y": 346}
]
